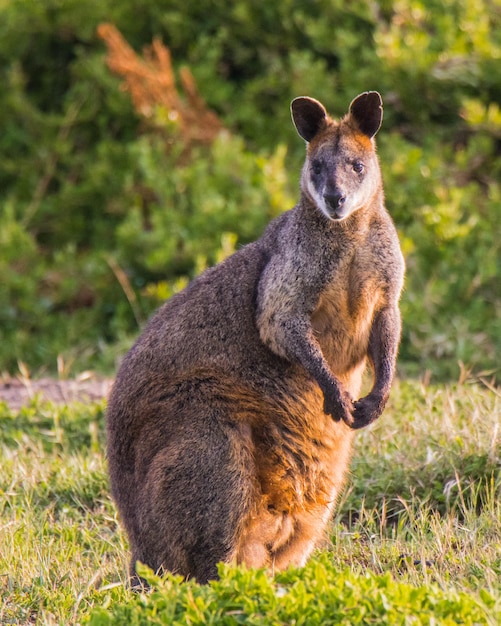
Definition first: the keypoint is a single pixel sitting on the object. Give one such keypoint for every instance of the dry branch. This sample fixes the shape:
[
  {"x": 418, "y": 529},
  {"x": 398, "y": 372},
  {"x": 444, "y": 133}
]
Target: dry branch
[{"x": 152, "y": 84}]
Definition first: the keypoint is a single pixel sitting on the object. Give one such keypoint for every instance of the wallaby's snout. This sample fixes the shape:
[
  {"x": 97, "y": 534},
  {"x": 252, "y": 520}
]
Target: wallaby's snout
[{"x": 335, "y": 201}]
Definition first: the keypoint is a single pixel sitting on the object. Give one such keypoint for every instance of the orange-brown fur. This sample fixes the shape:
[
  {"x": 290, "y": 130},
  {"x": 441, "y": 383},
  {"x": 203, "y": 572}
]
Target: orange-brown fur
[{"x": 231, "y": 421}]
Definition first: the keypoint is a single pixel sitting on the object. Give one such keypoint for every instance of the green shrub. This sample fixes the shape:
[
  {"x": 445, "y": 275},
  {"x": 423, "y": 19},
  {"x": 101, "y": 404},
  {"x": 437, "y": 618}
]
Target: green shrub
[
  {"x": 102, "y": 220},
  {"x": 226, "y": 191},
  {"x": 317, "y": 594},
  {"x": 447, "y": 202}
]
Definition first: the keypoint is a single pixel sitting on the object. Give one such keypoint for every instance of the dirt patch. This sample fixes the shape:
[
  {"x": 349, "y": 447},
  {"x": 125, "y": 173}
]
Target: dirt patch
[{"x": 17, "y": 392}]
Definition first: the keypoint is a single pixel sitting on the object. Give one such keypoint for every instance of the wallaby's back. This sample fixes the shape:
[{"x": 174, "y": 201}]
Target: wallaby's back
[{"x": 231, "y": 419}]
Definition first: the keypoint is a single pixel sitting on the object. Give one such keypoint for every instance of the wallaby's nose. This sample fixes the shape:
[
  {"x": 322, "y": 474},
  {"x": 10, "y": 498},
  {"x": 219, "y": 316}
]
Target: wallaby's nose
[{"x": 334, "y": 200}]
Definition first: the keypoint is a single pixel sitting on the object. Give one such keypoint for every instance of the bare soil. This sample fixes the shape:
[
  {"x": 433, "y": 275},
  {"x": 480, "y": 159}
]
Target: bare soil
[{"x": 17, "y": 392}]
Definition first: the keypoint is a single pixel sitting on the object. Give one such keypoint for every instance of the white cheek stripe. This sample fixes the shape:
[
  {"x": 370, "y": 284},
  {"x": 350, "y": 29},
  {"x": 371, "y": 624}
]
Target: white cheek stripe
[
  {"x": 354, "y": 202},
  {"x": 315, "y": 196}
]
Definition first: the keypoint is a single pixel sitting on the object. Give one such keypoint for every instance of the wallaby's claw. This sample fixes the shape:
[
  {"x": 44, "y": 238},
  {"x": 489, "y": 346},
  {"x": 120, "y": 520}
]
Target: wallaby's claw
[
  {"x": 366, "y": 411},
  {"x": 338, "y": 405}
]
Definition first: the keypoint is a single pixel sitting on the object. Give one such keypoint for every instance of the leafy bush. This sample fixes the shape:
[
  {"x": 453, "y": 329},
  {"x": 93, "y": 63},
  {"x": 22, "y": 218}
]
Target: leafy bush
[
  {"x": 100, "y": 219},
  {"x": 184, "y": 226},
  {"x": 450, "y": 235},
  {"x": 317, "y": 594}
]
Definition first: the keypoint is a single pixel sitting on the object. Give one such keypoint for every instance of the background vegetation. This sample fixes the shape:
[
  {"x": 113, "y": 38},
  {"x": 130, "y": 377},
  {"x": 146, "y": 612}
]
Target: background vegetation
[
  {"x": 416, "y": 538},
  {"x": 103, "y": 214}
]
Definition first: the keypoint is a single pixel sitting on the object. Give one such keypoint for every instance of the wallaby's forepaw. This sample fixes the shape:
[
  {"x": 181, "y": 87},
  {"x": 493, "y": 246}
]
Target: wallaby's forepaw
[
  {"x": 338, "y": 404},
  {"x": 366, "y": 411}
]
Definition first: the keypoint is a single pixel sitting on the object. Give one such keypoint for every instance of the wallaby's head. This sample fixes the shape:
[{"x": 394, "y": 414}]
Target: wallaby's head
[{"x": 341, "y": 172}]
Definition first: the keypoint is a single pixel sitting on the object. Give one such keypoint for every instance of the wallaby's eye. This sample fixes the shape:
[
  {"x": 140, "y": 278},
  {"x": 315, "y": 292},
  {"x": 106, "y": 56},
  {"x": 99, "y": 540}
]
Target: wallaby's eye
[
  {"x": 316, "y": 167},
  {"x": 358, "y": 167}
]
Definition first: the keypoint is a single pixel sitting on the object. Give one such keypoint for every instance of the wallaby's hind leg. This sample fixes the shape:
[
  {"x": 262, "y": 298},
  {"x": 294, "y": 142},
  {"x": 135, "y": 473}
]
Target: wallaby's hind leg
[{"x": 196, "y": 492}]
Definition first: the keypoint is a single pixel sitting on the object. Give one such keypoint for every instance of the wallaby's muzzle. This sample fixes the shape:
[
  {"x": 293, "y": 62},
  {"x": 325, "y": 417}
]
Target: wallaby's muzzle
[{"x": 335, "y": 204}]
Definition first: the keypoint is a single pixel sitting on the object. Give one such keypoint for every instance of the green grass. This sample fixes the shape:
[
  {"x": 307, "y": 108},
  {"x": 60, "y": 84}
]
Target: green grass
[{"x": 417, "y": 536}]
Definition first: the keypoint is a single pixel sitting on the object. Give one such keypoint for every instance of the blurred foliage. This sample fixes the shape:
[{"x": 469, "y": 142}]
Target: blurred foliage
[{"x": 102, "y": 215}]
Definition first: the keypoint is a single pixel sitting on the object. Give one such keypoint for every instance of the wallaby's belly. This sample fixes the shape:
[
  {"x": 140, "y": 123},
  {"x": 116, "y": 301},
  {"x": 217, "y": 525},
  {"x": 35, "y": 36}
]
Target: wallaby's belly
[{"x": 300, "y": 464}]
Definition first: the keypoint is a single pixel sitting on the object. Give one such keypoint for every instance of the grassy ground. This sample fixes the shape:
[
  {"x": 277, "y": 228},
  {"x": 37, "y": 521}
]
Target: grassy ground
[{"x": 421, "y": 511}]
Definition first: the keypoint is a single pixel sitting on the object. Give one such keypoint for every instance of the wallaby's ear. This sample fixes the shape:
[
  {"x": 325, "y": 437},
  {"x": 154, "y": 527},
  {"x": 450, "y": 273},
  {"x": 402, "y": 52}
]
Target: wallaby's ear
[
  {"x": 367, "y": 111},
  {"x": 308, "y": 116}
]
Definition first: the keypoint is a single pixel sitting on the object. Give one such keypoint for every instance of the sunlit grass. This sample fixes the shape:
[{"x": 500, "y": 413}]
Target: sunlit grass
[
  {"x": 59, "y": 536},
  {"x": 422, "y": 504}
]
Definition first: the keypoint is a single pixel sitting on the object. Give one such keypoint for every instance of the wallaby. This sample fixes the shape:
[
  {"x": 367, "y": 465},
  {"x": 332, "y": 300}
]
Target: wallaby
[{"x": 231, "y": 420}]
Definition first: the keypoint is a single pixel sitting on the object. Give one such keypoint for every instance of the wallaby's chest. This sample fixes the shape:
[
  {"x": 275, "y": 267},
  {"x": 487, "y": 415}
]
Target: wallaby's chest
[{"x": 343, "y": 316}]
